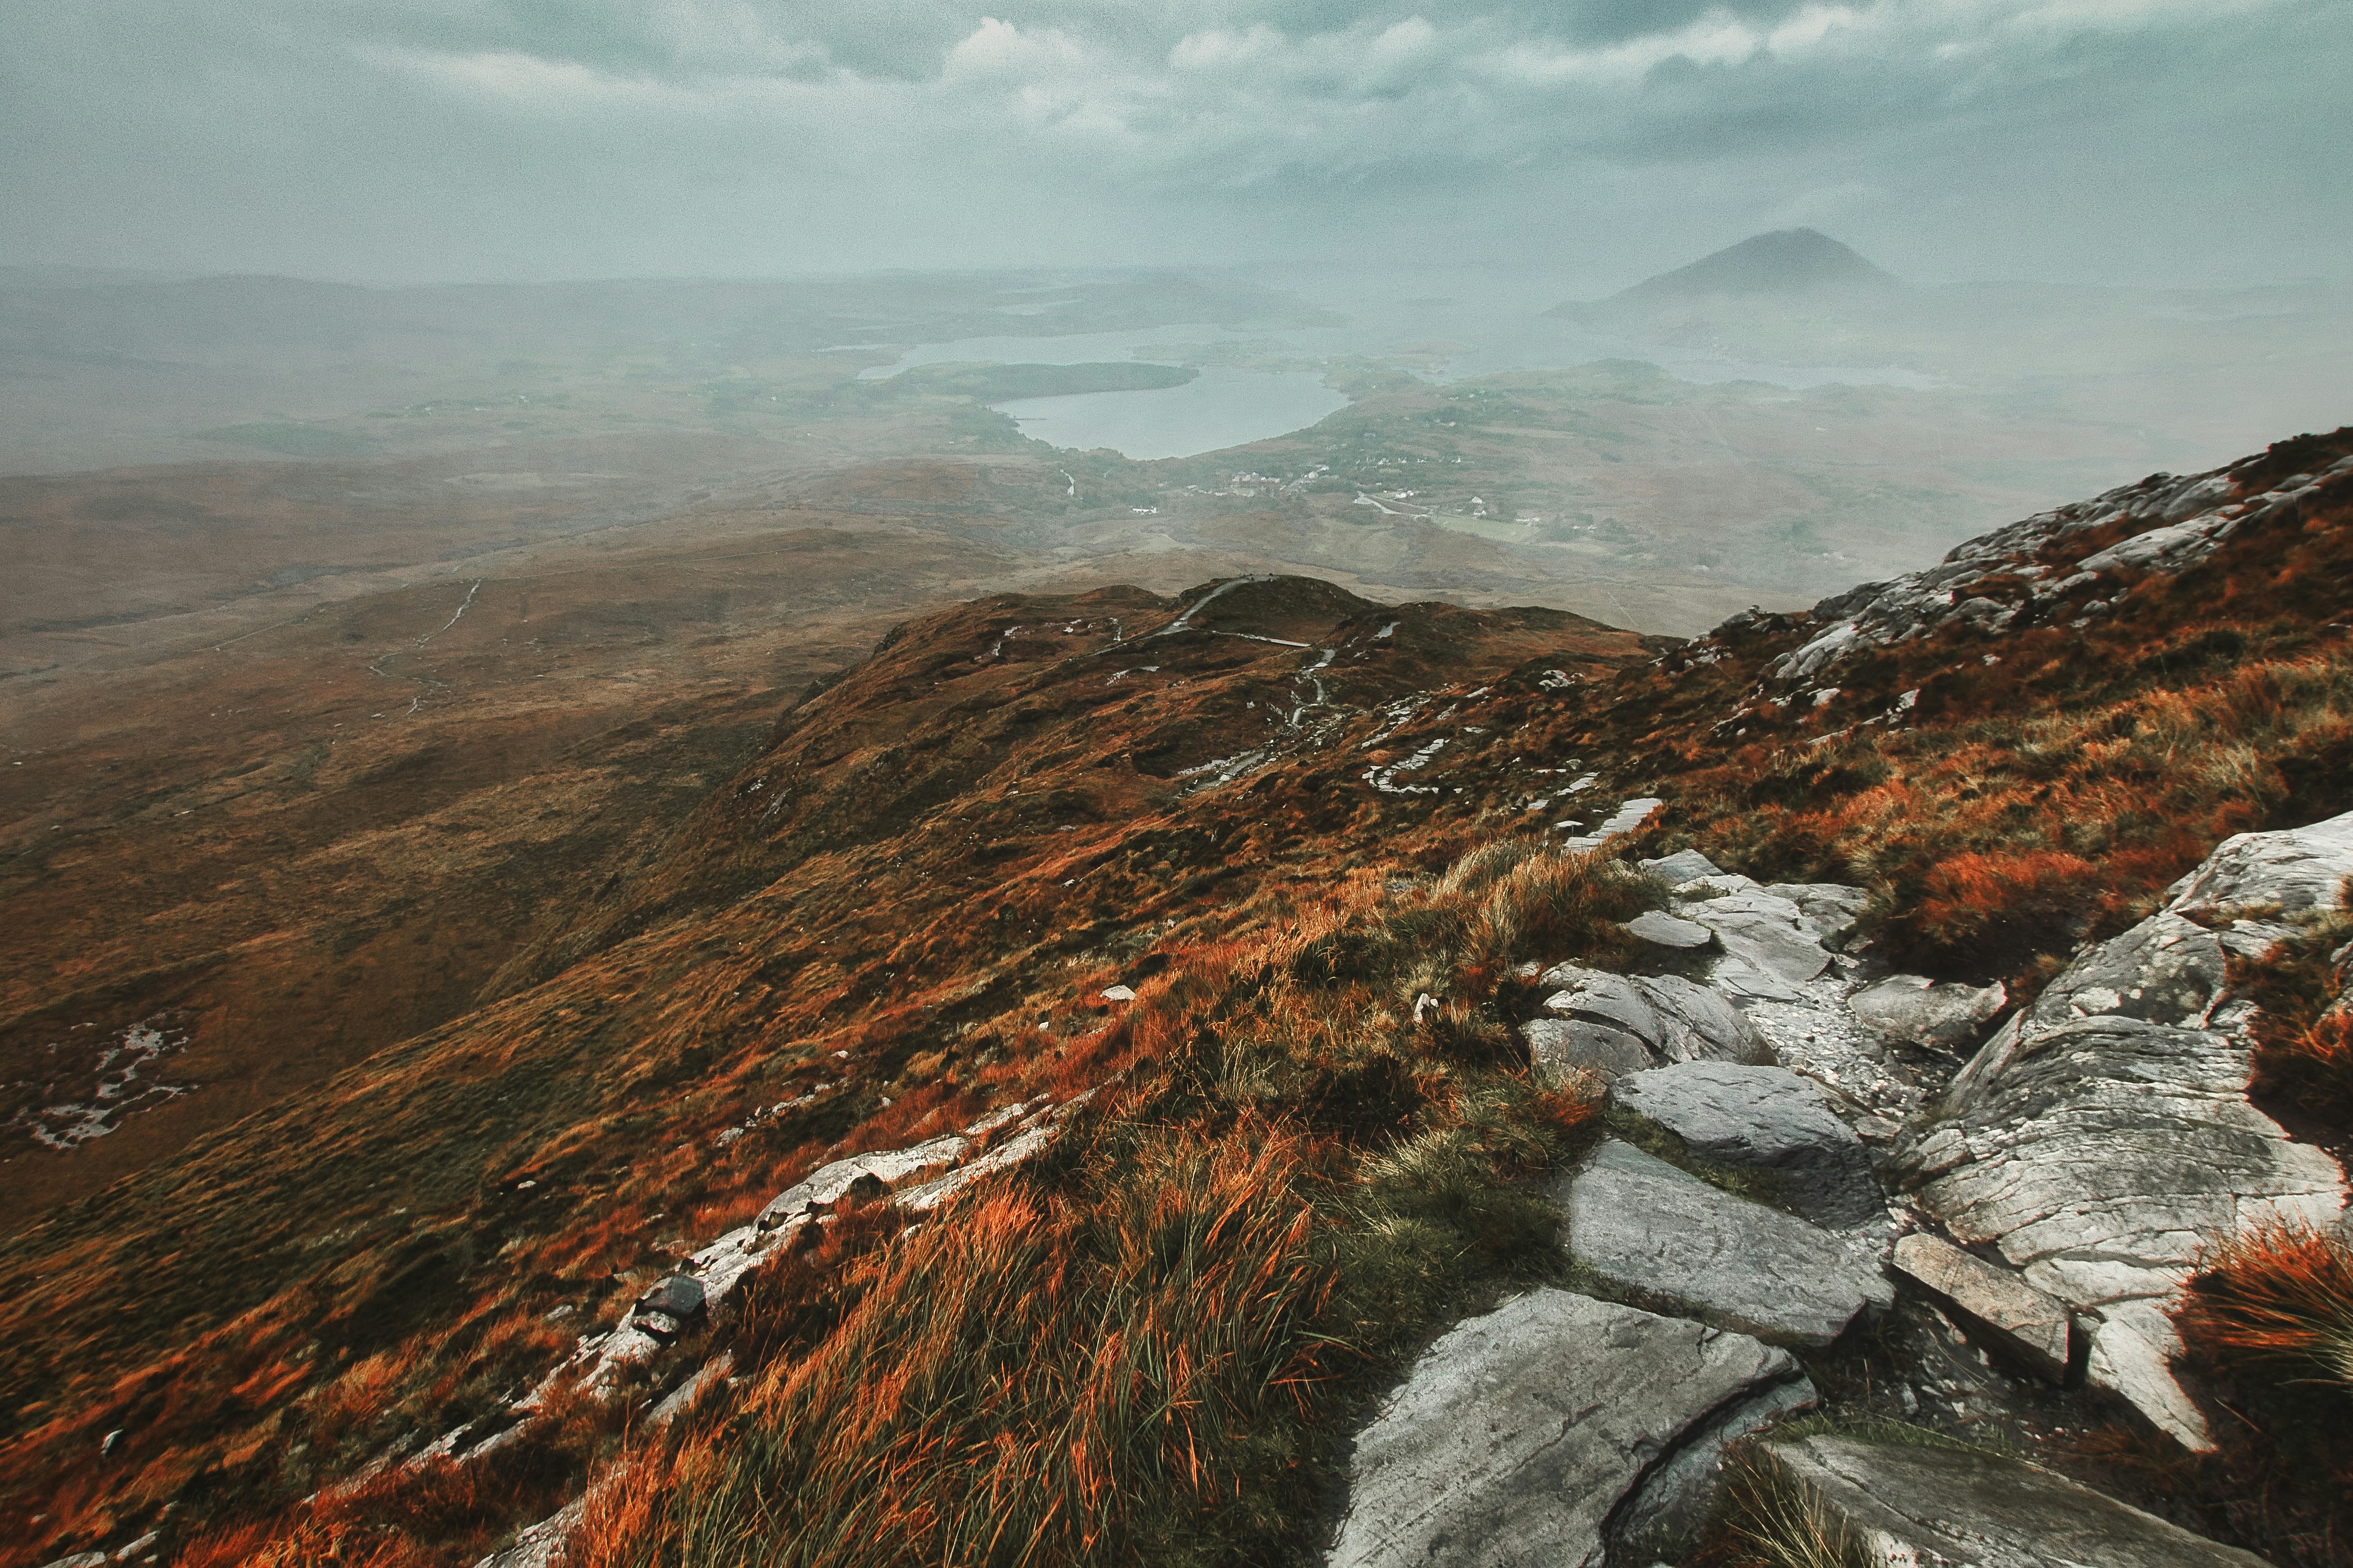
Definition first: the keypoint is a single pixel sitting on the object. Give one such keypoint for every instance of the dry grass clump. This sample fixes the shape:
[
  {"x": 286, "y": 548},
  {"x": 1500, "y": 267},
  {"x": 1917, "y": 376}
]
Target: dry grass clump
[
  {"x": 2281, "y": 1296},
  {"x": 1768, "y": 1521}
]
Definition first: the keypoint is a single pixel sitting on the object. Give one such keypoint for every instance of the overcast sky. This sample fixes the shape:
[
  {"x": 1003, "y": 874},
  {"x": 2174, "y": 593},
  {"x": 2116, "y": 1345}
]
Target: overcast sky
[{"x": 2156, "y": 141}]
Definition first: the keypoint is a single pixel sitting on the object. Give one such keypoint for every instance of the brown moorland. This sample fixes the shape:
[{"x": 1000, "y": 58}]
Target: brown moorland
[{"x": 914, "y": 897}]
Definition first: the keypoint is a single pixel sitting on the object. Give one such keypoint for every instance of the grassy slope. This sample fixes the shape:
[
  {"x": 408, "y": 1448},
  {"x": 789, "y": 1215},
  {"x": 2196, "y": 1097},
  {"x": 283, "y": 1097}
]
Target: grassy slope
[{"x": 1287, "y": 1141}]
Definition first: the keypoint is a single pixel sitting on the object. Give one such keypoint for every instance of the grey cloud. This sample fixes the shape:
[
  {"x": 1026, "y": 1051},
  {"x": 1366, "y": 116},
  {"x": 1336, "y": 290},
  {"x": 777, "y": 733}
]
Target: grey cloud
[{"x": 529, "y": 135}]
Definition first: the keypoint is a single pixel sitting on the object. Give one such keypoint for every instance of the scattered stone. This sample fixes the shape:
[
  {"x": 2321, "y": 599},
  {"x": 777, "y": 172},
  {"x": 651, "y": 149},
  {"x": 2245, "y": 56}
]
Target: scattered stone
[
  {"x": 80, "y": 1560},
  {"x": 1517, "y": 1434},
  {"x": 1643, "y": 1224},
  {"x": 1764, "y": 1118},
  {"x": 1902, "y": 1503},
  {"x": 1665, "y": 931},
  {"x": 2033, "y": 1325},
  {"x": 1118, "y": 994},
  {"x": 1914, "y": 1008},
  {"x": 1683, "y": 866},
  {"x": 678, "y": 1296},
  {"x": 1560, "y": 1046}
]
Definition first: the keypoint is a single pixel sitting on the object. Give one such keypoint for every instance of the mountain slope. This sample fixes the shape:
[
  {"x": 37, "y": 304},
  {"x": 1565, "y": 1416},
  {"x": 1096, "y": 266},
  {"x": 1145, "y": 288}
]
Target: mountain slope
[{"x": 1317, "y": 840}]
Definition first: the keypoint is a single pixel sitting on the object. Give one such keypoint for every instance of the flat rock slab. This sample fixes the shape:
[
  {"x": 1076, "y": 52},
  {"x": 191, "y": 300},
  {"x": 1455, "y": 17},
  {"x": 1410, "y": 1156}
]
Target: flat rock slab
[
  {"x": 1516, "y": 1433},
  {"x": 1906, "y": 1504},
  {"x": 2034, "y": 1325},
  {"x": 1666, "y": 931},
  {"x": 1683, "y": 866},
  {"x": 1643, "y": 1224},
  {"x": 1761, "y": 928},
  {"x": 2102, "y": 1146},
  {"x": 1763, "y": 1118}
]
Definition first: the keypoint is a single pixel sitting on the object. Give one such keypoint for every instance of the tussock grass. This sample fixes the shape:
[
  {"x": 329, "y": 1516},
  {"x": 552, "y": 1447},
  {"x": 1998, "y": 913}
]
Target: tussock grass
[{"x": 2280, "y": 1298}]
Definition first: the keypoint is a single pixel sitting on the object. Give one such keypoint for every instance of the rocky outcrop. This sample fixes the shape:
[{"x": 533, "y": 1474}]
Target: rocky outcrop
[
  {"x": 1902, "y": 1503},
  {"x": 1767, "y": 1119},
  {"x": 1642, "y": 1225},
  {"x": 2041, "y": 568},
  {"x": 2105, "y": 1136},
  {"x": 1518, "y": 1434}
]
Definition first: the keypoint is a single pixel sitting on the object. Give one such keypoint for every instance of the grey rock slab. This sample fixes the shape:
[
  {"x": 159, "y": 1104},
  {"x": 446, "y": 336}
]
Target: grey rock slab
[
  {"x": 2296, "y": 868},
  {"x": 1602, "y": 997},
  {"x": 1516, "y": 1433},
  {"x": 1560, "y": 1046},
  {"x": 1683, "y": 866},
  {"x": 1643, "y": 1224},
  {"x": 1902, "y": 1503},
  {"x": 2031, "y": 1322},
  {"x": 1666, "y": 931},
  {"x": 2099, "y": 1156},
  {"x": 871, "y": 1174},
  {"x": 1915, "y": 1008},
  {"x": 1764, "y": 1118}
]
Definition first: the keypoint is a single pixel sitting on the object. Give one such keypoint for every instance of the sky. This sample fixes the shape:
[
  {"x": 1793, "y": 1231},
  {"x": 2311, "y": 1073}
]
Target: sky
[{"x": 2145, "y": 142}]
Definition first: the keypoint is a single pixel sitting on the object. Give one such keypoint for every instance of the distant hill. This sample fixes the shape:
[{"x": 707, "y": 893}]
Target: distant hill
[{"x": 1789, "y": 263}]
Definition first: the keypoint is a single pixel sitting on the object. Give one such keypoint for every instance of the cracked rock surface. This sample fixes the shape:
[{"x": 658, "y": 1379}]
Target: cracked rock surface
[{"x": 1517, "y": 1434}]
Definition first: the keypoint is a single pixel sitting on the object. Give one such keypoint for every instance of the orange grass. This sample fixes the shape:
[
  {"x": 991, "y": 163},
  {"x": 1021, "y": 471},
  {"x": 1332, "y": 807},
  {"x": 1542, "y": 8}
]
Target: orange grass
[
  {"x": 1019, "y": 1382},
  {"x": 2282, "y": 1297}
]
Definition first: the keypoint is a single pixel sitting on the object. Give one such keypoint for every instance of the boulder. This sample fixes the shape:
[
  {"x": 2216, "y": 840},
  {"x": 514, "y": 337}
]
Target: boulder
[
  {"x": 1764, "y": 1118},
  {"x": 1710, "y": 1028},
  {"x": 1915, "y": 1008},
  {"x": 2032, "y": 1325},
  {"x": 1683, "y": 866},
  {"x": 1561, "y": 1046},
  {"x": 2297, "y": 868},
  {"x": 1666, "y": 931},
  {"x": 1899, "y": 1503},
  {"x": 1643, "y": 1224},
  {"x": 1600, "y": 997},
  {"x": 1517, "y": 1434}
]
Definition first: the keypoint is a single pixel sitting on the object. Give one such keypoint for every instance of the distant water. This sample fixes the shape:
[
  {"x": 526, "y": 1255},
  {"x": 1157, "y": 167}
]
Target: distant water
[
  {"x": 1226, "y": 407},
  {"x": 1220, "y": 409}
]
